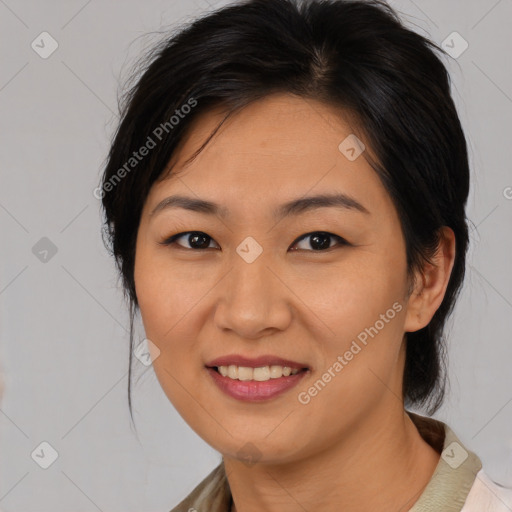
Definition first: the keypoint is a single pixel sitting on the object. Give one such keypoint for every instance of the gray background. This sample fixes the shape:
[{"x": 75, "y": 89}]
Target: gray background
[{"x": 63, "y": 323}]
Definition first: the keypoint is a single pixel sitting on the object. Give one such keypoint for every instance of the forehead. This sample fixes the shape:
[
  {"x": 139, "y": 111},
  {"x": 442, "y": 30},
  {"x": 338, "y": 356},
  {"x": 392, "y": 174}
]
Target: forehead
[{"x": 277, "y": 148}]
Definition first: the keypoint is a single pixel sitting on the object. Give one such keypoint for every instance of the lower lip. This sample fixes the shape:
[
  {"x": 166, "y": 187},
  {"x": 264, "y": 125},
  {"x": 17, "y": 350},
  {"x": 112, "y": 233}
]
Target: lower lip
[{"x": 255, "y": 391}]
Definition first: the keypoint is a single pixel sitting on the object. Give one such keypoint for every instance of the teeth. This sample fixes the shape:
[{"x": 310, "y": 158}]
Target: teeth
[
  {"x": 245, "y": 373},
  {"x": 232, "y": 371},
  {"x": 260, "y": 374}
]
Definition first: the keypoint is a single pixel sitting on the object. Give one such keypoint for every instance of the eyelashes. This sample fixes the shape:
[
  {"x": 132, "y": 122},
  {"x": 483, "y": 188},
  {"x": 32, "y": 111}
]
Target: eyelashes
[
  {"x": 200, "y": 241},
  {"x": 319, "y": 238},
  {"x": 194, "y": 235}
]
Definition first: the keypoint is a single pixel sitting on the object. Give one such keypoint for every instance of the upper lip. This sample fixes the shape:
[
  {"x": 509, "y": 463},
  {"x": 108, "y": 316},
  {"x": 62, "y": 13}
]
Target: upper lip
[{"x": 254, "y": 362}]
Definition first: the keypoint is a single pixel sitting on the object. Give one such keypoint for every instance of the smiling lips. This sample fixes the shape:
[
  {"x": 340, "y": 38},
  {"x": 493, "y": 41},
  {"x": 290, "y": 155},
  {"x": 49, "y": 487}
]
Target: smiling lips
[{"x": 255, "y": 379}]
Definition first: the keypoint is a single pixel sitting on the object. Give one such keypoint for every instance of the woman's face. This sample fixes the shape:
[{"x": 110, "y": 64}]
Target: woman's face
[{"x": 259, "y": 282}]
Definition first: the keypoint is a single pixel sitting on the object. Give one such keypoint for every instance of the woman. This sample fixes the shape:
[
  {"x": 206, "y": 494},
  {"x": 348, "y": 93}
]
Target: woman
[{"x": 285, "y": 199}]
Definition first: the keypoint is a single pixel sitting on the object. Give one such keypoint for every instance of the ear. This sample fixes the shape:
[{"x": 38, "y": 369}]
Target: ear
[{"x": 431, "y": 283}]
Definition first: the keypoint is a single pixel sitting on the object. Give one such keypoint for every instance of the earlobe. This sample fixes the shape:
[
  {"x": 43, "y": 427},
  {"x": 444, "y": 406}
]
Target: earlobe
[{"x": 431, "y": 283}]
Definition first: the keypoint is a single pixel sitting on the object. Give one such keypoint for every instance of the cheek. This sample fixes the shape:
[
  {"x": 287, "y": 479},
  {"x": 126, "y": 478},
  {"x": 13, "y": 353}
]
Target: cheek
[
  {"x": 352, "y": 296},
  {"x": 171, "y": 300},
  {"x": 167, "y": 291},
  {"x": 167, "y": 298},
  {"x": 364, "y": 310}
]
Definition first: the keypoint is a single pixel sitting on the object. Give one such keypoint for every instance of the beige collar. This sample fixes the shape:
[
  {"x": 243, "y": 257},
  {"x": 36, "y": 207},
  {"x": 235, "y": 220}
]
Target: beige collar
[{"x": 455, "y": 472}]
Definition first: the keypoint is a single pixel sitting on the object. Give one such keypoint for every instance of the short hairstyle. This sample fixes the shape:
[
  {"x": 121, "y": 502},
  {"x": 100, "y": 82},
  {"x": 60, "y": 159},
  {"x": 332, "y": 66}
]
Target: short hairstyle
[{"x": 350, "y": 54}]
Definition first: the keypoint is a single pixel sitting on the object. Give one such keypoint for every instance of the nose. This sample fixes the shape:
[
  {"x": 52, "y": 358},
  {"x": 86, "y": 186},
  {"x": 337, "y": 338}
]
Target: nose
[{"x": 253, "y": 300}]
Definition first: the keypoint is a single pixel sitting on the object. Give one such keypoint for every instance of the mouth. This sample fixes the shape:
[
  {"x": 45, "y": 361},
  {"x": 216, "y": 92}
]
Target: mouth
[{"x": 255, "y": 382}]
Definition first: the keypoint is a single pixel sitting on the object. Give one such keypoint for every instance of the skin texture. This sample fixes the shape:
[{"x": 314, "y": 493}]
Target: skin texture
[{"x": 352, "y": 446}]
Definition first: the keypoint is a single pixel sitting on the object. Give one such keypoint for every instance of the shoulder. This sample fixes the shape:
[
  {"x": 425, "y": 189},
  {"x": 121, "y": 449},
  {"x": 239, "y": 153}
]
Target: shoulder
[{"x": 486, "y": 495}]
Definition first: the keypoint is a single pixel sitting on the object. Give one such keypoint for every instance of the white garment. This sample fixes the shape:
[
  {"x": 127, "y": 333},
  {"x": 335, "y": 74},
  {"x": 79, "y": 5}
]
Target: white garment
[{"x": 487, "y": 496}]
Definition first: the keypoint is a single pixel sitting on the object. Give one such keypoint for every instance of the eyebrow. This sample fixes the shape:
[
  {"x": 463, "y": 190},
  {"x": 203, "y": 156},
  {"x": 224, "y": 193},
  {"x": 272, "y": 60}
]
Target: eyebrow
[{"x": 294, "y": 207}]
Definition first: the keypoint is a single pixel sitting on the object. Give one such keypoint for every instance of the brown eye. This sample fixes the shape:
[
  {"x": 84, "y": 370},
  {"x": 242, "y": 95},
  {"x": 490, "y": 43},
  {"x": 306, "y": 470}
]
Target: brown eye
[
  {"x": 195, "y": 239},
  {"x": 320, "y": 241}
]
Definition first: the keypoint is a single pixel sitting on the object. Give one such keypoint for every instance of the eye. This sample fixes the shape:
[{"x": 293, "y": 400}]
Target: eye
[
  {"x": 196, "y": 240},
  {"x": 320, "y": 240}
]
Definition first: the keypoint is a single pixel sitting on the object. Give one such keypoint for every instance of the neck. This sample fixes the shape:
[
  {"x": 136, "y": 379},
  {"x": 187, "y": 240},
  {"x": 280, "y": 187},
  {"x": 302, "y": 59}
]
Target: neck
[{"x": 382, "y": 464}]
